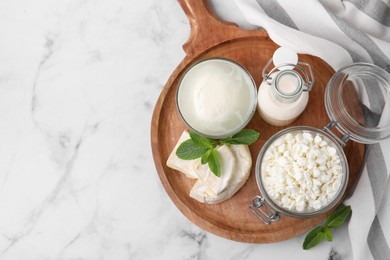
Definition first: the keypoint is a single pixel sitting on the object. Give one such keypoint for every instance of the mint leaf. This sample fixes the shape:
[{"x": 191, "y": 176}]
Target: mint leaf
[
  {"x": 328, "y": 234},
  {"x": 314, "y": 238},
  {"x": 215, "y": 162},
  {"x": 338, "y": 217},
  {"x": 205, "y": 157},
  {"x": 202, "y": 141},
  {"x": 189, "y": 151},
  {"x": 245, "y": 136}
]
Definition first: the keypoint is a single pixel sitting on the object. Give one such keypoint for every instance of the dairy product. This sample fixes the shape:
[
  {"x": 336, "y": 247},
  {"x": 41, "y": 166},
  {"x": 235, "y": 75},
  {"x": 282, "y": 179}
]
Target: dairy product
[
  {"x": 226, "y": 186},
  {"x": 288, "y": 84},
  {"x": 283, "y": 94},
  {"x": 186, "y": 167},
  {"x": 302, "y": 172},
  {"x": 236, "y": 163},
  {"x": 276, "y": 111},
  {"x": 216, "y": 97},
  {"x": 228, "y": 163}
]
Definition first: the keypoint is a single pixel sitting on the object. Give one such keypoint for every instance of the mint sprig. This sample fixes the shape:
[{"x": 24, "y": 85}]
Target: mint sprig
[
  {"x": 318, "y": 234},
  {"x": 205, "y": 148}
]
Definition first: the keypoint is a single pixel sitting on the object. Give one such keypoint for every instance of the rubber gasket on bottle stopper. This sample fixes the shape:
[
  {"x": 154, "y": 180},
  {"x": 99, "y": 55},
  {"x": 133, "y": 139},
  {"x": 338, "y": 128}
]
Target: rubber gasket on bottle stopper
[{"x": 285, "y": 55}]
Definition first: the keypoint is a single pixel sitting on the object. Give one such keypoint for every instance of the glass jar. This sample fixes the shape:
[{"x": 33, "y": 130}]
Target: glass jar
[{"x": 357, "y": 100}]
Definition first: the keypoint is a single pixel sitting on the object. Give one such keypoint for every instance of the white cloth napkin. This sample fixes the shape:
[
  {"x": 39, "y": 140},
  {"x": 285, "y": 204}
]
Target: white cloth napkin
[{"x": 341, "y": 32}]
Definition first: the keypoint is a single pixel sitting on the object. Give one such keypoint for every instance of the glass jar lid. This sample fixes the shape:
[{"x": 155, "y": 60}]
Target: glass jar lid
[{"x": 357, "y": 99}]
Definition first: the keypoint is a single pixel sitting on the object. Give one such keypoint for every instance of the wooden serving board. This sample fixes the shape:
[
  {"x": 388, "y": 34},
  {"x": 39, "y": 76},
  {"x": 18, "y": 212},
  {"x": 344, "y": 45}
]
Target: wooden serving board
[{"x": 211, "y": 37}]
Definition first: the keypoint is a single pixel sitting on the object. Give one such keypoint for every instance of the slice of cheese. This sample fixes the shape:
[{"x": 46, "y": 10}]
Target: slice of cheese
[
  {"x": 240, "y": 154},
  {"x": 201, "y": 193},
  {"x": 236, "y": 163},
  {"x": 243, "y": 167},
  {"x": 219, "y": 184},
  {"x": 184, "y": 166}
]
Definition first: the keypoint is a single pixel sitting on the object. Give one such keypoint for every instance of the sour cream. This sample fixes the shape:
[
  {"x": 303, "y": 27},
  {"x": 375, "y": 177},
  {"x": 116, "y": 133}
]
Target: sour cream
[{"x": 216, "y": 97}]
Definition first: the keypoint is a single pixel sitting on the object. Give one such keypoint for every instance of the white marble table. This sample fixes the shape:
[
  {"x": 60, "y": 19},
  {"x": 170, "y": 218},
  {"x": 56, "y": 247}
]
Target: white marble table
[{"x": 78, "y": 83}]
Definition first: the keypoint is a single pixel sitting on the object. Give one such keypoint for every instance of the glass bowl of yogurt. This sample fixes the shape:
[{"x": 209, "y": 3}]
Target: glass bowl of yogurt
[{"x": 216, "y": 97}]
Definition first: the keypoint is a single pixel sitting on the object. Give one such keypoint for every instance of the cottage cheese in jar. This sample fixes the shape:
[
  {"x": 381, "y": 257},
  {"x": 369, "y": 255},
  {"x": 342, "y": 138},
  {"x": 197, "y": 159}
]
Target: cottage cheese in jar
[{"x": 302, "y": 172}]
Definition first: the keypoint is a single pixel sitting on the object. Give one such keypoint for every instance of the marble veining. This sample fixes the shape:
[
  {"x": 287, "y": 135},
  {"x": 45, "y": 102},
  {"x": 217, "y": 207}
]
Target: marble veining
[{"x": 78, "y": 84}]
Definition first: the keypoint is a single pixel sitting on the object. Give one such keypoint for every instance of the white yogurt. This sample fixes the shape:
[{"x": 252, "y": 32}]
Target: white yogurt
[{"x": 216, "y": 97}]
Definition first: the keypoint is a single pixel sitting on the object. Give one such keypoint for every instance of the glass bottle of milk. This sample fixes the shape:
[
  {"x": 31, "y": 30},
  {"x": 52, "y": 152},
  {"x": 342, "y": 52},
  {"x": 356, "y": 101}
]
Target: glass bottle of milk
[{"x": 284, "y": 92}]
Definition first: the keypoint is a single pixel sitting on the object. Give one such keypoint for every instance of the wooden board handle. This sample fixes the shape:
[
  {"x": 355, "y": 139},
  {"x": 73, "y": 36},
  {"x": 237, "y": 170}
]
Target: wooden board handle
[{"x": 207, "y": 30}]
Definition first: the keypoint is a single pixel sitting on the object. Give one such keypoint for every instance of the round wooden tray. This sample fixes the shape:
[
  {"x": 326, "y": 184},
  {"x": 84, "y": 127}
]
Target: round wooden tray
[{"x": 211, "y": 37}]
